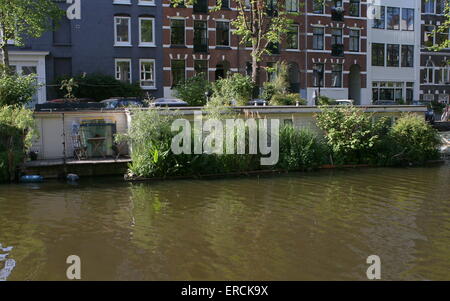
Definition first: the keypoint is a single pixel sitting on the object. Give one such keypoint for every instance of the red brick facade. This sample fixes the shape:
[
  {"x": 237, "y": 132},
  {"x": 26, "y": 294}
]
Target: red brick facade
[{"x": 238, "y": 56}]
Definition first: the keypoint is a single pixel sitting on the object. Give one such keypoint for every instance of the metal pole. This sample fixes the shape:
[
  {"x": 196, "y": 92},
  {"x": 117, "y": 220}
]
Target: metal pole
[{"x": 64, "y": 143}]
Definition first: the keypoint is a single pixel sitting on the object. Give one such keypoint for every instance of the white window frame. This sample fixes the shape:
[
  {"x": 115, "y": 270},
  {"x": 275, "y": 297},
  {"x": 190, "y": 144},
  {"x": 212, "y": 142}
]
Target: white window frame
[
  {"x": 341, "y": 76},
  {"x": 434, "y": 8},
  {"x": 359, "y": 39},
  {"x": 146, "y": 2},
  {"x": 146, "y": 44},
  {"x": 323, "y": 36},
  {"x": 125, "y": 2},
  {"x": 154, "y": 73},
  {"x": 116, "y": 66},
  {"x": 122, "y": 44},
  {"x": 297, "y": 6}
]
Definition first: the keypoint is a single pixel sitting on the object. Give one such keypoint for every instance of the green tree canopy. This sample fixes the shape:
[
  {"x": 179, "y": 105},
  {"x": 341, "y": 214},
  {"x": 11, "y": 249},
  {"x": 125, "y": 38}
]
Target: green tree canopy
[{"x": 20, "y": 19}]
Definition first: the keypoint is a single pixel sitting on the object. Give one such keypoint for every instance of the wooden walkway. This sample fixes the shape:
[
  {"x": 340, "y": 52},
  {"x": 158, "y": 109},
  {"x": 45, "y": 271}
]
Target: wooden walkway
[{"x": 56, "y": 162}]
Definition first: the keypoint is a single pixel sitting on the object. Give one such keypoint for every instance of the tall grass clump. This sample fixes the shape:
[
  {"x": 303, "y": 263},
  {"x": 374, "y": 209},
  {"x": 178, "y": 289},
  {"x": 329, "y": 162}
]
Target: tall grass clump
[{"x": 300, "y": 149}]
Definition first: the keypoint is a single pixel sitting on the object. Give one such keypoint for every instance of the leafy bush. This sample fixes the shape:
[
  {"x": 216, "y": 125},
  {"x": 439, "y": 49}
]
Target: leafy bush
[
  {"x": 16, "y": 89},
  {"x": 269, "y": 90},
  {"x": 236, "y": 87},
  {"x": 437, "y": 106},
  {"x": 280, "y": 85},
  {"x": 287, "y": 99},
  {"x": 350, "y": 133},
  {"x": 98, "y": 87},
  {"x": 17, "y": 129},
  {"x": 193, "y": 90},
  {"x": 416, "y": 140},
  {"x": 300, "y": 149}
]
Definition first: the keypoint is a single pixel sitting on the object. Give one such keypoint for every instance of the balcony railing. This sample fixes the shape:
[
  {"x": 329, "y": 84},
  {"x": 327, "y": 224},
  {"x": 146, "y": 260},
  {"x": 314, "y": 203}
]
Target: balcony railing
[
  {"x": 201, "y": 6},
  {"x": 337, "y": 50},
  {"x": 337, "y": 14},
  {"x": 201, "y": 48}
]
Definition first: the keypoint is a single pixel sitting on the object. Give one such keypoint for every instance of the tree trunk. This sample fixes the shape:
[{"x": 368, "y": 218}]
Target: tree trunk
[
  {"x": 5, "y": 56},
  {"x": 255, "y": 70}
]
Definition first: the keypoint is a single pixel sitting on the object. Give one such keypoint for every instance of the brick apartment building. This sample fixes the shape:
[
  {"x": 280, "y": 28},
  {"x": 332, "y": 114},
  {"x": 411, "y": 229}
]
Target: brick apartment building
[
  {"x": 336, "y": 42},
  {"x": 197, "y": 40},
  {"x": 330, "y": 38},
  {"x": 435, "y": 66}
]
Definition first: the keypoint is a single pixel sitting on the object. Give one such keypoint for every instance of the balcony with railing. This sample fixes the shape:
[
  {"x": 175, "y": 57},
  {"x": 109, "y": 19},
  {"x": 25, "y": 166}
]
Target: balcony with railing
[
  {"x": 337, "y": 50},
  {"x": 201, "y": 6},
  {"x": 337, "y": 14}
]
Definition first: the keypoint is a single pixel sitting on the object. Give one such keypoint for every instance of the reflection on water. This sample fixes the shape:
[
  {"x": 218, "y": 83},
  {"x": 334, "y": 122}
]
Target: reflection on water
[
  {"x": 305, "y": 226},
  {"x": 6, "y": 264}
]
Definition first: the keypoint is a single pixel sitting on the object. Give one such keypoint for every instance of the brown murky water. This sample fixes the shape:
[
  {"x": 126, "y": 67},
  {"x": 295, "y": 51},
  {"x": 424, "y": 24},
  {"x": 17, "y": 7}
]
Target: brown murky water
[{"x": 310, "y": 226}]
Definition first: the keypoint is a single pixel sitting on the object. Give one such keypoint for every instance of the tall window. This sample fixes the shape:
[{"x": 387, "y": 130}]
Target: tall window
[
  {"x": 318, "y": 38},
  {"x": 178, "y": 72},
  {"x": 377, "y": 54},
  {"x": 379, "y": 17},
  {"x": 393, "y": 18},
  {"x": 441, "y": 37},
  {"x": 122, "y": 31},
  {"x": 222, "y": 33},
  {"x": 146, "y": 32},
  {"x": 292, "y": 5},
  {"x": 318, "y": 7},
  {"x": 336, "y": 36},
  {"x": 200, "y": 36},
  {"x": 354, "y": 8},
  {"x": 225, "y": 4},
  {"x": 177, "y": 37},
  {"x": 440, "y": 6},
  {"x": 319, "y": 75},
  {"x": 428, "y": 35},
  {"x": 429, "y": 72},
  {"x": 408, "y": 19},
  {"x": 336, "y": 75},
  {"x": 407, "y": 56},
  {"x": 354, "y": 40},
  {"x": 429, "y": 7},
  {"x": 123, "y": 70},
  {"x": 292, "y": 37},
  {"x": 147, "y": 71},
  {"x": 201, "y": 67},
  {"x": 393, "y": 54}
]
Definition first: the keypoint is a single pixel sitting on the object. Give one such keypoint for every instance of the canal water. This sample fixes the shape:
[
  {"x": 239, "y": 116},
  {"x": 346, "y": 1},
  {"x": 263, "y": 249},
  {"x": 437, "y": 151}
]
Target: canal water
[{"x": 302, "y": 226}]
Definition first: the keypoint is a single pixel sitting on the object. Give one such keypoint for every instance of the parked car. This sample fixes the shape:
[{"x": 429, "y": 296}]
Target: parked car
[
  {"x": 116, "y": 103},
  {"x": 257, "y": 102},
  {"x": 66, "y": 100},
  {"x": 346, "y": 102},
  {"x": 168, "y": 102}
]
